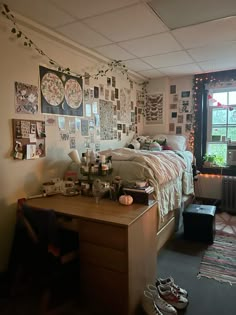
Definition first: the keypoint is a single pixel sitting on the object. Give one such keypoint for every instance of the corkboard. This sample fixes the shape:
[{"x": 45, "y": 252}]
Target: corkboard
[{"x": 28, "y": 139}]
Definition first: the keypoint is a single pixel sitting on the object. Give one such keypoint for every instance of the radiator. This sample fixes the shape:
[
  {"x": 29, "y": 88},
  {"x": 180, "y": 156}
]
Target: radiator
[{"x": 228, "y": 202}]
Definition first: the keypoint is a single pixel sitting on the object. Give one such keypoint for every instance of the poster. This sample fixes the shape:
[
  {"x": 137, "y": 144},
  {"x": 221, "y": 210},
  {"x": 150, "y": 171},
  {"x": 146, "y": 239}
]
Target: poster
[
  {"x": 154, "y": 109},
  {"x": 61, "y": 93}
]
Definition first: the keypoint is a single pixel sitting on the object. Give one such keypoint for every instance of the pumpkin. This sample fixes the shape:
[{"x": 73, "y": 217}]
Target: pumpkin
[{"x": 126, "y": 200}]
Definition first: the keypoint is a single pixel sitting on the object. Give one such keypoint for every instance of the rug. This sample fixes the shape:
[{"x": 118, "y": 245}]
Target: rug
[
  {"x": 226, "y": 223},
  {"x": 219, "y": 260}
]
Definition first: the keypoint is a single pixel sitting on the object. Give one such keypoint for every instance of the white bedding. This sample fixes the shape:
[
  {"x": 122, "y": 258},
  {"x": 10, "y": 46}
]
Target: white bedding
[{"x": 169, "y": 172}]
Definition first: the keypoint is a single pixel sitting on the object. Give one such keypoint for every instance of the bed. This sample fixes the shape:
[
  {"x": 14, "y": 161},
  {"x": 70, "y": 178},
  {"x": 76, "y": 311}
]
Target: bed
[{"x": 168, "y": 171}]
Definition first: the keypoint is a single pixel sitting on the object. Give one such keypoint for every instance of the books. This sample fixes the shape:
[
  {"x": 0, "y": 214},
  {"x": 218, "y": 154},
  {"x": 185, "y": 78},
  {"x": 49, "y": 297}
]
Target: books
[{"x": 146, "y": 189}]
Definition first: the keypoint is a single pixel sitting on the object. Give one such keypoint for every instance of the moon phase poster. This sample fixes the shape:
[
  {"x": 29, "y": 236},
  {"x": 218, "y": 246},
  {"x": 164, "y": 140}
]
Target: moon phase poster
[{"x": 61, "y": 93}]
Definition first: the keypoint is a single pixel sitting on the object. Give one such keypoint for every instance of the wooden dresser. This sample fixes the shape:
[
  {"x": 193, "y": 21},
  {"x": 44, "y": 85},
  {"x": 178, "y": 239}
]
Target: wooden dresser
[{"x": 117, "y": 249}]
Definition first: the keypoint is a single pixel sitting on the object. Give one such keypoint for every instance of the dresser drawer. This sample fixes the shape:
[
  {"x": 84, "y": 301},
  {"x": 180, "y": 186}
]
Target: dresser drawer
[
  {"x": 103, "y": 257},
  {"x": 103, "y": 234}
]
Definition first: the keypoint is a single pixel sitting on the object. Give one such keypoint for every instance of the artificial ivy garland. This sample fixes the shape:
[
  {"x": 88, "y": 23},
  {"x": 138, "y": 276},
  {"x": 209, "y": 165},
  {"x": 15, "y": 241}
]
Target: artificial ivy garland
[{"x": 113, "y": 65}]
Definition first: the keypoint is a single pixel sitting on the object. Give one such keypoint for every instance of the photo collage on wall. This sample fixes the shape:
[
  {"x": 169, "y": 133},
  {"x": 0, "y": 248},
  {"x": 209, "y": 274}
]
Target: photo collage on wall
[
  {"x": 78, "y": 108},
  {"x": 181, "y": 111}
]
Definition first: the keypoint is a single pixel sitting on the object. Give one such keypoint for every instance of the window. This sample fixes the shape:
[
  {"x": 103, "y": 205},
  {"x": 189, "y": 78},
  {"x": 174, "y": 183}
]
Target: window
[{"x": 221, "y": 124}]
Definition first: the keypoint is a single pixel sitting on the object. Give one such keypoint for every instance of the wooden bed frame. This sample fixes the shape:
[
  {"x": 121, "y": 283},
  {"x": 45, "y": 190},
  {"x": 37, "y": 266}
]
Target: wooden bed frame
[{"x": 171, "y": 223}]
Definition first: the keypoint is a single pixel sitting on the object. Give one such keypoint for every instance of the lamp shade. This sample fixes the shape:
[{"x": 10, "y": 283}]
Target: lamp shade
[{"x": 74, "y": 155}]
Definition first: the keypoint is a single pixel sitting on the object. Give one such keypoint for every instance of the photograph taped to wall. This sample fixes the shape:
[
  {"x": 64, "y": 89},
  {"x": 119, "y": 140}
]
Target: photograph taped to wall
[
  {"x": 154, "y": 109},
  {"x": 61, "y": 93}
]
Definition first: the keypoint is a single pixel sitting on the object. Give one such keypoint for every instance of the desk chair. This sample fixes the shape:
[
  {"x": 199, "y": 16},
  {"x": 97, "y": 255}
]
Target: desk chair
[{"x": 48, "y": 253}]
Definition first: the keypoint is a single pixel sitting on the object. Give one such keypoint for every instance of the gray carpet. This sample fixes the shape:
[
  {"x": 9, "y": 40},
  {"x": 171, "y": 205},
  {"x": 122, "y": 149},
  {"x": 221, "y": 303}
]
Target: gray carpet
[{"x": 181, "y": 259}]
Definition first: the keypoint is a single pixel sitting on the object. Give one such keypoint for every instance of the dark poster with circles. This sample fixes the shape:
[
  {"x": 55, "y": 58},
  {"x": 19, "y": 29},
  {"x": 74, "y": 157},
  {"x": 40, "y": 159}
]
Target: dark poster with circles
[{"x": 61, "y": 93}]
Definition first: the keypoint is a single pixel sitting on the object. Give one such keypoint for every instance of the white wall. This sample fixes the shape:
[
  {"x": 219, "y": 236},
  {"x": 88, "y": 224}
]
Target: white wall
[{"x": 21, "y": 178}]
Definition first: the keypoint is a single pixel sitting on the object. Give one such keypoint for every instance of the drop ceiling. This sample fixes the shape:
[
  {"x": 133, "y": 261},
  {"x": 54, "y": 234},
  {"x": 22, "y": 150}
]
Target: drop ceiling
[{"x": 154, "y": 38}]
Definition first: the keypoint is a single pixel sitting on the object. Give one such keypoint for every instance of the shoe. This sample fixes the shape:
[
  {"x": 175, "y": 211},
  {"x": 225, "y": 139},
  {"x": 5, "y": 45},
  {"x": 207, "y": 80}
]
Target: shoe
[
  {"x": 169, "y": 294},
  {"x": 163, "y": 306},
  {"x": 170, "y": 281},
  {"x": 148, "y": 304}
]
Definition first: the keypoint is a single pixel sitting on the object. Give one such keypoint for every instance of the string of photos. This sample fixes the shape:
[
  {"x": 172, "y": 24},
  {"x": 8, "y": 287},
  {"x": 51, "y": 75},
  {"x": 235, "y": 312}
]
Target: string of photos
[{"x": 116, "y": 65}]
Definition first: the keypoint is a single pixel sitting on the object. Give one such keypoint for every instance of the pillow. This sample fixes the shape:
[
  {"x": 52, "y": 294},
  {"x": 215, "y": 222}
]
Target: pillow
[
  {"x": 155, "y": 146},
  {"x": 134, "y": 144},
  {"x": 177, "y": 142}
]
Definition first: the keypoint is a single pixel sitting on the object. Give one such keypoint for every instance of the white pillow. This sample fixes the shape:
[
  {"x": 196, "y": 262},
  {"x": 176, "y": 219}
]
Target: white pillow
[{"x": 176, "y": 142}]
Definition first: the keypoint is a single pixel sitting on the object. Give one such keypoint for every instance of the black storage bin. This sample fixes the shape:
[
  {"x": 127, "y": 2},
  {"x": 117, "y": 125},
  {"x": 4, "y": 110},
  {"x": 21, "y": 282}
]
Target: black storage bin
[{"x": 199, "y": 223}]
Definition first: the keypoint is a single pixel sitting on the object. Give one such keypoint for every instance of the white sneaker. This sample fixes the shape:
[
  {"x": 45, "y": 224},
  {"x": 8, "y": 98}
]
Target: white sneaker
[
  {"x": 163, "y": 306},
  {"x": 148, "y": 304},
  {"x": 170, "y": 281},
  {"x": 170, "y": 295}
]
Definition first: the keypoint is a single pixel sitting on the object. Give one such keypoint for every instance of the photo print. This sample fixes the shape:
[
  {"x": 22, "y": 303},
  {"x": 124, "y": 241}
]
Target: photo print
[
  {"x": 84, "y": 128},
  {"x": 180, "y": 119},
  {"x": 113, "y": 80},
  {"x": 184, "y": 106},
  {"x": 185, "y": 94},
  {"x": 101, "y": 86},
  {"x": 108, "y": 82},
  {"x": 171, "y": 127},
  {"x": 178, "y": 130},
  {"x": 189, "y": 118},
  {"x": 173, "y": 106},
  {"x": 96, "y": 92},
  {"x": 173, "y": 89},
  {"x": 116, "y": 93}
]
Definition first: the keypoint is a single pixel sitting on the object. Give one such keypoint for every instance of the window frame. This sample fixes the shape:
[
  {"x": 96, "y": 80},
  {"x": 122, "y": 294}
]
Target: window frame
[{"x": 210, "y": 108}]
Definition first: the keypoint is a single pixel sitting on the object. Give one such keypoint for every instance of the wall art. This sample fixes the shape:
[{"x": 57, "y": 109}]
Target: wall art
[
  {"x": 26, "y": 98},
  {"x": 61, "y": 93},
  {"x": 154, "y": 109},
  {"x": 125, "y": 105},
  {"x": 106, "y": 119}
]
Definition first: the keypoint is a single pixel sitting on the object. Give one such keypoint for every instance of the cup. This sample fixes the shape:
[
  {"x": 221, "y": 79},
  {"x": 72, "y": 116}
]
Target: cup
[{"x": 74, "y": 155}]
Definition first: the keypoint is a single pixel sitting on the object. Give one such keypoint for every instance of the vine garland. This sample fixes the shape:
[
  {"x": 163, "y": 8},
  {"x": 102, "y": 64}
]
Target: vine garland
[{"x": 28, "y": 42}]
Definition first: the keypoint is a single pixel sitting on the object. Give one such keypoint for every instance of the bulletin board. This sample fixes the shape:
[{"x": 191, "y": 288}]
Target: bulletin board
[{"x": 28, "y": 139}]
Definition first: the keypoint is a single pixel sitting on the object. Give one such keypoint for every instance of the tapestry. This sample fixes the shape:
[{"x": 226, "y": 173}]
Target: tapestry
[
  {"x": 61, "y": 93},
  {"x": 154, "y": 109},
  {"x": 219, "y": 260}
]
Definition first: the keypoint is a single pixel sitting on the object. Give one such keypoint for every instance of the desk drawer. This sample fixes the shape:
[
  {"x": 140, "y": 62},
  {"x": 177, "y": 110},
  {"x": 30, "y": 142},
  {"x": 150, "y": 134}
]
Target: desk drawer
[
  {"x": 106, "y": 235},
  {"x": 103, "y": 257}
]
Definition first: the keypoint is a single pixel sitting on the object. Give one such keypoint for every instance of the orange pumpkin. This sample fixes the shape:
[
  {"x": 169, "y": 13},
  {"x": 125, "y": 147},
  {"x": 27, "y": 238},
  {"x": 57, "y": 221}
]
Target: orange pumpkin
[{"x": 126, "y": 200}]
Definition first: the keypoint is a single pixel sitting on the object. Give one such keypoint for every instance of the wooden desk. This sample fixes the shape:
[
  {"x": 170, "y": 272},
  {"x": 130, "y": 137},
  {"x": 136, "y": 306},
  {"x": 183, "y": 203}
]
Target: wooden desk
[{"x": 117, "y": 248}]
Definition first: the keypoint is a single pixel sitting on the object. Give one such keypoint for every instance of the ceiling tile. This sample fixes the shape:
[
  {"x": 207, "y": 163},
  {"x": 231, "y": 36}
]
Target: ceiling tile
[
  {"x": 137, "y": 65},
  {"x": 151, "y": 45},
  {"x": 181, "y": 70},
  {"x": 131, "y": 22},
  {"x": 207, "y": 33},
  {"x": 216, "y": 65},
  {"x": 198, "y": 11},
  {"x": 113, "y": 51},
  {"x": 170, "y": 59},
  {"x": 151, "y": 73},
  {"x": 41, "y": 11},
  {"x": 83, "y": 35},
  {"x": 86, "y": 8},
  {"x": 228, "y": 50}
]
